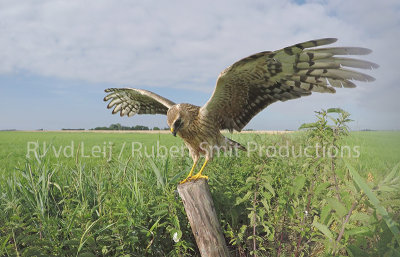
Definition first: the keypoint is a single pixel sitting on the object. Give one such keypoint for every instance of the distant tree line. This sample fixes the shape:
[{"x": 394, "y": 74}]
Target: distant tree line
[{"x": 120, "y": 127}]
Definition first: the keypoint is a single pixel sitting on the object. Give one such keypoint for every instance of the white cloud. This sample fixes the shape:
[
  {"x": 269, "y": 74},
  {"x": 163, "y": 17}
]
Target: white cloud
[{"x": 186, "y": 44}]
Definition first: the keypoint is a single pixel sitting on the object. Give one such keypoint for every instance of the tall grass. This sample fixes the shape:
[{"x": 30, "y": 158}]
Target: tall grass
[{"x": 128, "y": 206}]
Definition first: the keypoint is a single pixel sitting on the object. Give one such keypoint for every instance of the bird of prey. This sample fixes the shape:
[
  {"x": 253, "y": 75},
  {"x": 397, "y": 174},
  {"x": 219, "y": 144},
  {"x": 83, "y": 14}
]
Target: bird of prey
[{"x": 244, "y": 89}]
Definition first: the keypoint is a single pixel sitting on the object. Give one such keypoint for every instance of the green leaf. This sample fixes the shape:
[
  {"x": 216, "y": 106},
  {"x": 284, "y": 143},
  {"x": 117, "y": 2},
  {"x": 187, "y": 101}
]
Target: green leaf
[
  {"x": 391, "y": 175},
  {"x": 265, "y": 203},
  {"x": 175, "y": 178},
  {"x": 336, "y": 110},
  {"x": 385, "y": 188},
  {"x": 268, "y": 186},
  {"x": 161, "y": 212},
  {"x": 290, "y": 210},
  {"x": 308, "y": 125},
  {"x": 250, "y": 180},
  {"x": 321, "y": 187},
  {"x": 333, "y": 120},
  {"x": 176, "y": 223},
  {"x": 160, "y": 179},
  {"x": 356, "y": 231},
  {"x": 323, "y": 228},
  {"x": 375, "y": 202},
  {"x": 154, "y": 226},
  {"x": 4, "y": 243},
  {"x": 244, "y": 198},
  {"x": 339, "y": 208},
  {"x": 326, "y": 210},
  {"x": 360, "y": 216},
  {"x": 87, "y": 230},
  {"x": 298, "y": 184},
  {"x": 353, "y": 250}
]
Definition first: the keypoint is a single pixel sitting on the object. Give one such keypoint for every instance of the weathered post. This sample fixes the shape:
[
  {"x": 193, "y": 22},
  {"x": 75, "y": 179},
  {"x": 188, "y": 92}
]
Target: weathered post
[{"x": 200, "y": 210}]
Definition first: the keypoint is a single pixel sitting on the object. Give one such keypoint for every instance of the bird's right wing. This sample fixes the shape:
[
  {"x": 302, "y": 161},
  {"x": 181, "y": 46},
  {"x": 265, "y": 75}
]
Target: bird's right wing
[{"x": 131, "y": 101}]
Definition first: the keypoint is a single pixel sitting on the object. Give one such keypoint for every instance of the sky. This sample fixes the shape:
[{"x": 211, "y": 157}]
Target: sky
[{"x": 57, "y": 57}]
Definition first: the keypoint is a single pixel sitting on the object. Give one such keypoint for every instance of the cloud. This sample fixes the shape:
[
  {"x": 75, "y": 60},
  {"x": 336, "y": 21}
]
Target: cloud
[
  {"x": 177, "y": 44},
  {"x": 154, "y": 44}
]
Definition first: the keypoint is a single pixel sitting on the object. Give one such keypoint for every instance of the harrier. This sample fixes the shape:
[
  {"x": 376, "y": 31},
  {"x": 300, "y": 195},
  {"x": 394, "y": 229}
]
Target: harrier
[{"x": 244, "y": 89}]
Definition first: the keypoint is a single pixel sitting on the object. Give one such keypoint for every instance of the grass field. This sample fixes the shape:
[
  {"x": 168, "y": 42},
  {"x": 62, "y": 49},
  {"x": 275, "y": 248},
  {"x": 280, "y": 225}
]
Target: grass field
[
  {"x": 379, "y": 150},
  {"x": 112, "y": 194}
]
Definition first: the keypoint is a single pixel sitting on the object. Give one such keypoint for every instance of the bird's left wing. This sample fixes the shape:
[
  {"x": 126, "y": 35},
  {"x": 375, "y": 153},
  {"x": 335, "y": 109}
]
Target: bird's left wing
[
  {"x": 131, "y": 101},
  {"x": 251, "y": 84}
]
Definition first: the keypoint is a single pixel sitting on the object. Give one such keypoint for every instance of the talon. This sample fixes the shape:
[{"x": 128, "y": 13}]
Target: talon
[
  {"x": 197, "y": 176},
  {"x": 185, "y": 180}
]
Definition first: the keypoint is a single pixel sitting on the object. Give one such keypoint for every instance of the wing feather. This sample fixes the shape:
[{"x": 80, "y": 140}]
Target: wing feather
[
  {"x": 131, "y": 101},
  {"x": 251, "y": 84}
]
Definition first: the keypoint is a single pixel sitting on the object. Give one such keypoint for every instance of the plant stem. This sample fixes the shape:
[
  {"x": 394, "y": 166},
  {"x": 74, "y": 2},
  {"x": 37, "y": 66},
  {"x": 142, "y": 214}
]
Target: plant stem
[
  {"x": 353, "y": 206},
  {"x": 255, "y": 219},
  {"x": 281, "y": 238},
  {"x": 304, "y": 217},
  {"x": 333, "y": 167},
  {"x": 283, "y": 226},
  {"x": 15, "y": 243}
]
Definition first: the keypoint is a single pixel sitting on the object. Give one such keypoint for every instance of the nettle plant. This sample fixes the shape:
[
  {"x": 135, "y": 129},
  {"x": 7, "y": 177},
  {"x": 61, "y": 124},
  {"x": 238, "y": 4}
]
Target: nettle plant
[
  {"x": 314, "y": 205},
  {"x": 346, "y": 211}
]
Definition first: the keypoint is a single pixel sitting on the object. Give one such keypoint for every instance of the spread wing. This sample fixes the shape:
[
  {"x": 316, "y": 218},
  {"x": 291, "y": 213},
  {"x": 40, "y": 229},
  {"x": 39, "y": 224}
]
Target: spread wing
[
  {"x": 131, "y": 101},
  {"x": 251, "y": 84}
]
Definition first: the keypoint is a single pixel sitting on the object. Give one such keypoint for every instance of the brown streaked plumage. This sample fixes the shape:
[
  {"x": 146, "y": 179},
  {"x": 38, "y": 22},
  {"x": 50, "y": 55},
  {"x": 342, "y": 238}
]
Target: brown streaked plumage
[{"x": 244, "y": 89}]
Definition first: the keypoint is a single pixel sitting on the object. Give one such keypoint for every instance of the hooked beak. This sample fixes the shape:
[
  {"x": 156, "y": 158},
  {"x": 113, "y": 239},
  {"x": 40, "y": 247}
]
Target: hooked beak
[{"x": 173, "y": 131}]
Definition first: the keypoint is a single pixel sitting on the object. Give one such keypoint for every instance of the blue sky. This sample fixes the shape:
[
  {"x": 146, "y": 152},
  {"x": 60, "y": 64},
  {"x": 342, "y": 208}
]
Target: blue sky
[{"x": 58, "y": 56}]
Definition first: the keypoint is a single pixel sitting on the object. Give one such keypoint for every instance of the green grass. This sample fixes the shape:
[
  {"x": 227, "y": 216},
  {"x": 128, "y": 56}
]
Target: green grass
[
  {"x": 14, "y": 145},
  {"x": 380, "y": 150},
  {"x": 81, "y": 205}
]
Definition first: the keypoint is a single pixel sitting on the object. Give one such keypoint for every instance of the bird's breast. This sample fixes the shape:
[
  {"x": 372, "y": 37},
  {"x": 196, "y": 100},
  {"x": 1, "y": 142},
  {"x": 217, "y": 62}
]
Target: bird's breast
[{"x": 200, "y": 136}]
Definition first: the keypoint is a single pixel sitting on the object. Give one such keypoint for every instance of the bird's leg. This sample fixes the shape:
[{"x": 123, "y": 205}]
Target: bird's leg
[
  {"x": 198, "y": 175},
  {"x": 190, "y": 173}
]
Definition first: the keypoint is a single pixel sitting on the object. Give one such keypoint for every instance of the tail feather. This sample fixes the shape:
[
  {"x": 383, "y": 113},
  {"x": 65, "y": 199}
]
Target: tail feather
[{"x": 235, "y": 144}]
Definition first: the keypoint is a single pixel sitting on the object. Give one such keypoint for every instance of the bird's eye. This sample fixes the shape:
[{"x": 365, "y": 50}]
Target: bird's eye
[{"x": 178, "y": 122}]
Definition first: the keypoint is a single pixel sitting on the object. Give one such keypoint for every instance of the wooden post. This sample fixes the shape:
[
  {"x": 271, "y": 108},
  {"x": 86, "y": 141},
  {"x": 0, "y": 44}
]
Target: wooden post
[{"x": 199, "y": 206}]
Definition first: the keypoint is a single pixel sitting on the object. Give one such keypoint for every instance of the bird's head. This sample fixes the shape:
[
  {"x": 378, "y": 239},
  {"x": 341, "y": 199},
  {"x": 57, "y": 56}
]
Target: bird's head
[{"x": 175, "y": 119}]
